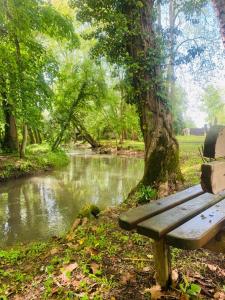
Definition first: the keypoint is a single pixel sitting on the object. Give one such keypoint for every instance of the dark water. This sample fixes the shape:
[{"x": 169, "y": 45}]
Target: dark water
[{"x": 37, "y": 207}]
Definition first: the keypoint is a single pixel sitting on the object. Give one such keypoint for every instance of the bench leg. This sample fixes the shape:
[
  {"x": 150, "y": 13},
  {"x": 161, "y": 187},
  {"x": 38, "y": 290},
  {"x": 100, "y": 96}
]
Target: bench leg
[{"x": 162, "y": 263}]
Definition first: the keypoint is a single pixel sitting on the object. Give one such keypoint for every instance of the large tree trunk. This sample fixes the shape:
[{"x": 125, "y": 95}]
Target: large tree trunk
[
  {"x": 161, "y": 146},
  {"x": 220, "y": 11},
  {"x": 10, "y": 141}
]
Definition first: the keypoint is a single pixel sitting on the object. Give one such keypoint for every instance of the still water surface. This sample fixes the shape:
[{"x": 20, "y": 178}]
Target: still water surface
[{"x": 37, "y": 207}]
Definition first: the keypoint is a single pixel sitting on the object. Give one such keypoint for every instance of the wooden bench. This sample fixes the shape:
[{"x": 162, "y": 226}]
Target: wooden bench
[{"x": 190, "y": 219}]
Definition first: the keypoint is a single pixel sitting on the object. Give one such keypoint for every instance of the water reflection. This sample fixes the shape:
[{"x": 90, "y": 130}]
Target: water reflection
[{"x": 41, "y": 206}]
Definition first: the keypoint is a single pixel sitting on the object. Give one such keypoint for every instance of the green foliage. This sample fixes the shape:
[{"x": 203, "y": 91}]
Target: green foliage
[
  {"x": 39, "y": 157},
  {"x": 11, "y": 256},
  {"x": 178, "y": 108},
  {"x": 213, "y": 105},
  {"x": 89, "y": 211},
  {"x": 115, "y": 119},
  {"x": 80, "y": 88},
  {"x": 190, "y": 289},
  {"x": 27, "y": 65},
  {"x": 119, "y": 36},
  {"x": 145, "y": 194}
]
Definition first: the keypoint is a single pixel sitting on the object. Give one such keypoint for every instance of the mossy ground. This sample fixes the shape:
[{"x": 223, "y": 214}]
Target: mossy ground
[
  {"x": 38, "y": 158},
  {"x": 98, "y": 260}
]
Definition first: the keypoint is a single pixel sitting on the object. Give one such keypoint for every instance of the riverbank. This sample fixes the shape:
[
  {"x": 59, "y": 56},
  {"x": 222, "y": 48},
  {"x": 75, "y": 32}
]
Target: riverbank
[
  {"x": 97, "y": 260},
  {"x": 190, "y": 159},
  {"x": 39, "y": 158}
]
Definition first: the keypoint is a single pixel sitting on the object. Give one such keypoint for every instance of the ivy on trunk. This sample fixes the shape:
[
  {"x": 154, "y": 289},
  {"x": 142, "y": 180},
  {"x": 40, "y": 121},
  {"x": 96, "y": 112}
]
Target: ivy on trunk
[{"x": 127, "y": 37}]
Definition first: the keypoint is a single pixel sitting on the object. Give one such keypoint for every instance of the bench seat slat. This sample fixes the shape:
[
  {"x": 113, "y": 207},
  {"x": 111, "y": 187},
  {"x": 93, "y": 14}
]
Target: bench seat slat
[
  {"x": 197, "y": 232},
  {"x": 132, "y": 217},
  {"x": 158, "y": 226}
]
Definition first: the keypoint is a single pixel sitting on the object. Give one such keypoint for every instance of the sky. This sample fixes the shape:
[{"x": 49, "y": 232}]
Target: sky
[
  {"x": 194, "y": 92},
  {"x": 193, "y": 81}
]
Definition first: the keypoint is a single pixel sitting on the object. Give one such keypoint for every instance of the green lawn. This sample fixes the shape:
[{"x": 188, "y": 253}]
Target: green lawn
[
  {"x": 189, "y": 154},
  {"x": 190, "y": 158}
]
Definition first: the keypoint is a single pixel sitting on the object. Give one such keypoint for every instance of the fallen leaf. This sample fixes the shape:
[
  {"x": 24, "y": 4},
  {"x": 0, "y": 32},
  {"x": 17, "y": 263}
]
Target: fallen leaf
[
  {"x": 17, "y": 297},
  {"x": 219, "y": 296},
  {"x": 155, "y": 292},
  {"x": 198, "y": 275},
  {"x": 75, "y": 224},
  {"x": 66, "y": 270},
  {"x": 146, "y": 269},
  {"x": 174, "y": 276},
  {"x": 92, "y": 251},
  {"x": 125, "y": 278},
  {"x": 85, "y": 221},
  {"x": 184, "y": 297},
  {"x": 75, "y": 283},
  {"x": 95, "y": 268},
  {"x": 220, "y": 272},
  {"x": 54, "y": 251},
  {"x": 70, "y": 267},
  {"x": 212, "y": 267}
]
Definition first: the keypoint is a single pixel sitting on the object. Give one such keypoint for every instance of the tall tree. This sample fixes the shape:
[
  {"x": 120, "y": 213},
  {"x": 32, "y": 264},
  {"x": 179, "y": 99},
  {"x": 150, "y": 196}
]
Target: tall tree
[
  {"x": 27, "y": 66},
  {"x": 126, "y": 34},
  {"x": 213, "y": 104},
  {"x": 80, "y": 85},
  {"x": 220, "y": 11}
]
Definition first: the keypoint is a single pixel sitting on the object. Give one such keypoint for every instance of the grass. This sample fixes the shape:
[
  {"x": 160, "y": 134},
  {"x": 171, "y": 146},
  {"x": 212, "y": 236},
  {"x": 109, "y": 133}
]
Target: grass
[
  {"x": 38, "y": 158},
  {"x": 98, "y": 260},
  {"x": 190, "y": 158}
]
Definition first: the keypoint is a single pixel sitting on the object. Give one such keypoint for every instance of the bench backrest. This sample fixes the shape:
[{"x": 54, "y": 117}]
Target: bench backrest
[{"x": 213, "y": 173}]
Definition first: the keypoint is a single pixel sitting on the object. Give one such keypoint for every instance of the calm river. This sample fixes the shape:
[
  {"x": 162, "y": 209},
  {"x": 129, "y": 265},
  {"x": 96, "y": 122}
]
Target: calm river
[{"x": 38, "y": 207}]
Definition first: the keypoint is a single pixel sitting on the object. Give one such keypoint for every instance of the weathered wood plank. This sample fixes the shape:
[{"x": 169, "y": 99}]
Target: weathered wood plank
[
  {"x": 214, "y": 142},
  {"x": 132, "y": 217},
  {"x": 213, "y": 177},
  {"x": 198, "y": 231},
  {"x": 162, "y": 263},
  {"x": 217, "y": 244},
  {"x": 159, "y": 225}
]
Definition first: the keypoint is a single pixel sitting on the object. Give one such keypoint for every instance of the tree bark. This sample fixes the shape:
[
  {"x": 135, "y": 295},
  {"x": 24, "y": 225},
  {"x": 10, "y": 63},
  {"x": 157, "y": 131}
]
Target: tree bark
[
  {"x": 219, "y": 6},
  {"x": 84, "y": 133},
  {"x": 10, "y": 141},
  {"x": 36, "y": 136},
  {"x": 39, "y": 136},
  {"x": 10, "y": 138},
  {"x": 31, "y": 136},
  {"x": 161, "y": 146},
  {"x": 24, "y": 142}
]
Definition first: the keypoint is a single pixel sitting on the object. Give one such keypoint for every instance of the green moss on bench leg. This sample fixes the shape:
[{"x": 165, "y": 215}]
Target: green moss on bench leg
[{"x": 162, "y": 263}]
